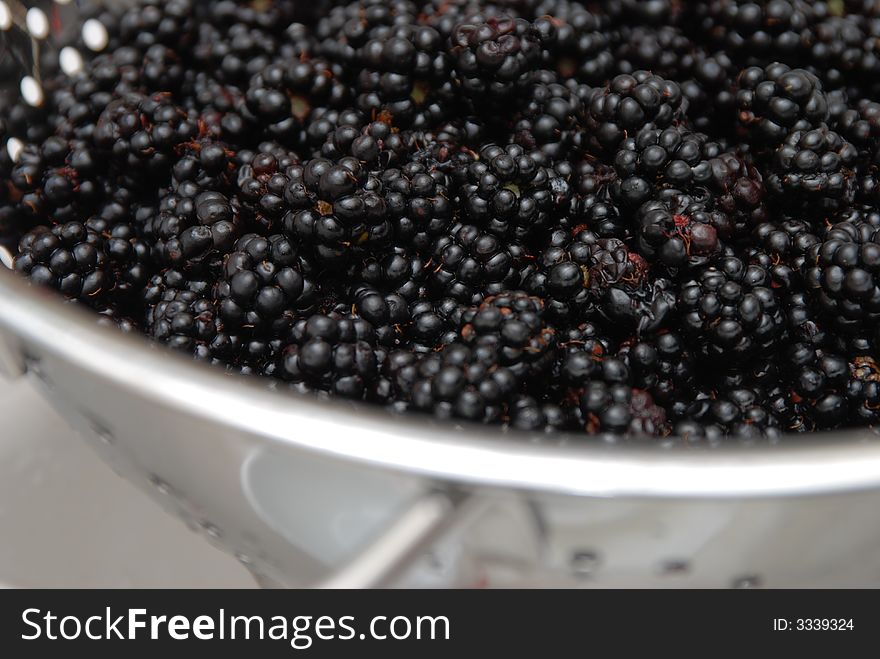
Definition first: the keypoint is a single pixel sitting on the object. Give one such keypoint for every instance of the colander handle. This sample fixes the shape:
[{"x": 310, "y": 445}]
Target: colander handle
[{"x": 385, "y": 560}]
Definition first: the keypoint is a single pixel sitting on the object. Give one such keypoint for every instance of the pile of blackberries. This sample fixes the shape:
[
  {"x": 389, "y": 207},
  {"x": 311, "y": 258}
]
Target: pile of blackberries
[{"x": 625, "y": 219}]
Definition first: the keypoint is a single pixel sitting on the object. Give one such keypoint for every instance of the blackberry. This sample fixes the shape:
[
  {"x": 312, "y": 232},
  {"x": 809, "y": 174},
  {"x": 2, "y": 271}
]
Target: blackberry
[
  {"x": 490, "y": 57},
  {"x": 787, "y": 241},
  {"x": 832, "y": 391},
  {"x": 841, "y": 277},
  {"x": 433, "y": 324},
  {"x": 777, "y": 100},
  {"x": 332, "y": 353},
  {"x": 663, "y": 50},
  {"x": 187, "y": 321},
  {"x": 813, "y": 171},
  {"x": 396, "y": 271},
  {"x": 680, "y": 229},
  {"x": 83, "y": 264},
  {"x": 707, "y": 85},
  {"x": 337, "y": 209},
  {"x": 510, "y": 327},
  {"x": 592, "y": 204},
  {"x": 406, "y": 74},
  {"x": 756, "y": 31},
  {"x": 730, "y": 311},
  {"x": 584, "y": 274},
  {"x": 454, "y": 382},
  {"x": 529, "y": 413},
  {"x": 580, "y": 45},
  {"x": 629, "y": 103},
  {"x": 739, "y": 414},
  {"x": 191, "y": 232},
  {"x": 376, "y": 144},
  {"x": 655, "y": 158},
  {"x": 663, "y": 365},
  {"x": 142, "y": 133},
  {"x": 507, "y": 191},
  {"x": 263, "y": 286},
  {"x": 471, "y": 264},
  {"x": 262, "y": 181},
  {"x": 419, "y": 200},
  {"x": 550, "y": 117},
  {"x": 618, "y": 409}
]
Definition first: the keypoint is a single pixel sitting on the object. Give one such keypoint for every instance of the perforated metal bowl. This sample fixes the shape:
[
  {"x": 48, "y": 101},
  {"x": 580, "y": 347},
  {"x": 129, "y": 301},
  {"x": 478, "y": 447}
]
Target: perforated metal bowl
[{"x": 311, "y": 492}]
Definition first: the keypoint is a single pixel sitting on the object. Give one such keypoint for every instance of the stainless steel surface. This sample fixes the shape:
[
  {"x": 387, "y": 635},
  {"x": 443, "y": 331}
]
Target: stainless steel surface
[
  {"x": 298, "y": 488},
  {"x": 68, "y": 521}
]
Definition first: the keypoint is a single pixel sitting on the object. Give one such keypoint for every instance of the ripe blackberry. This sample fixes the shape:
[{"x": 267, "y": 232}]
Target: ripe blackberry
[
  {"x": 813, "y": 171},
  {"x": 730, "y": 311},
  {"x": 376, "y": 144},
  {"x": 658, "y": 158},
  {"x": 151, "y": 22},
  {"x": 406, "y": 75},
  {"x": 507, "y": 191},
  {"x": 663, "y": 365},
  {"x": 680, "y": 229},
  {"x": 740, "y": 414},
  {"x": 348, "y": 27},
  {"x": 549, "y": 117},
  {"x": 739, "y": 193},
  {"x": 191, "y": 232},
  {"x": 83, "y": 264},
  {"x": 332, "y": 353},
  {"x": 336, "y": 208},
  {"x": 395, "y": 271},
  {"x": 263, "y": 287},
  {"x": 580, "y": 45},
  {"x": 617, "y": 409},
  {"x": 707, "y": 84},
  {"x": 510, "y": 329},
  {"x": 529, "y": 413},
  {"x": 453, "y": 382},
  {"x": 777, "y": 100},
  {"x": 841, "y": 277},
  {"x": 629, "y": 103},
  {"x": 787, "y": 241},
  {"x": 419, "y": 200},
  {"x": 756, "y": 31},
  {"x": 471, "y": 265},
  {"x": 586, "y": 275},
  {"x": 188, "y": 321},
  {"x": 433, "y": 324},
  {"x": 141, "y": 133},
  {"x": 592, "y": 204},
  {"x": 262, "y": 180},
  {"x": 663, "y": 50},
  {"x": 490, "y": 58}
]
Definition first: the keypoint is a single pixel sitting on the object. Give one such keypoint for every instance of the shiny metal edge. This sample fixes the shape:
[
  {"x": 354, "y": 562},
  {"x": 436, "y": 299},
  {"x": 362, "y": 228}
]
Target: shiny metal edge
[{"x": 450, "y": 452}]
